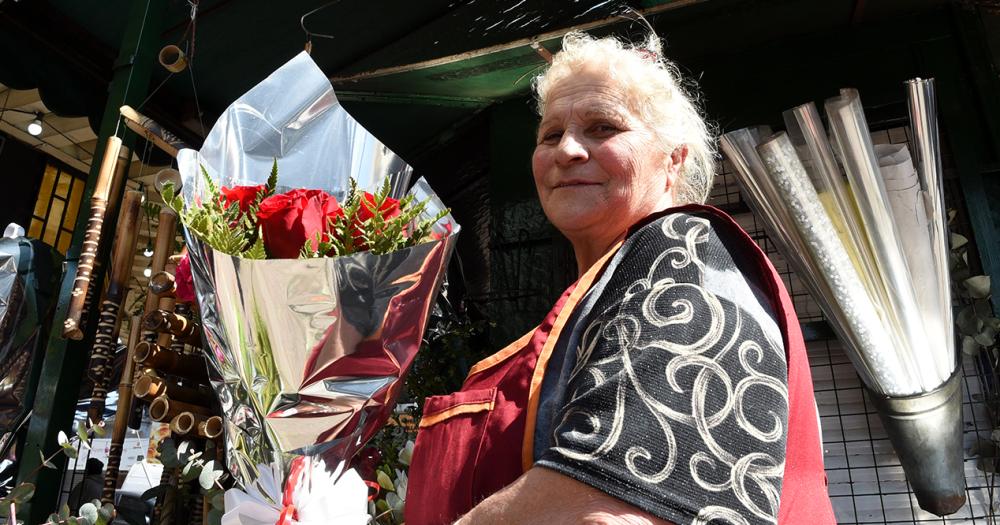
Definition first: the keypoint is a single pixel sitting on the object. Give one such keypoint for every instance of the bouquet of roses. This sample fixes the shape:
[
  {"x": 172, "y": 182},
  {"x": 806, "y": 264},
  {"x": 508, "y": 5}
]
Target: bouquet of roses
[{"x": 315, "y": 288}]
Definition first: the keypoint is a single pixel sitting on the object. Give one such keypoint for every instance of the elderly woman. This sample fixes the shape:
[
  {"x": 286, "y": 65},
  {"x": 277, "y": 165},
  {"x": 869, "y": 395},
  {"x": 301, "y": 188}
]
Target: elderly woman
[{"x": 669, "y": 384}]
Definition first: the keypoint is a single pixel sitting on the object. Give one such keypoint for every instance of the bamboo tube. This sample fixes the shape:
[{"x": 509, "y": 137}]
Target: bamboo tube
[
  {"x": 165, "y": 409},
  {"x": 163, "y": 359},
  {"x": 114, "y": 196},
  {"x": 149, "y": 386},
  {"x": 185, "y": 423},
  {"x": 160, "y": 284},
  {"x": 121, "y": 418},
  {"x": 107, "y": 327},
  {"x": 183, "y": 329},
  {"x": 210, "y": 428},
  {"x": 134, "y": 121},
  {"x": 163, "y": 248},
  {"x": 72, "y": 327},
  {"x": 165, "y": 303}
]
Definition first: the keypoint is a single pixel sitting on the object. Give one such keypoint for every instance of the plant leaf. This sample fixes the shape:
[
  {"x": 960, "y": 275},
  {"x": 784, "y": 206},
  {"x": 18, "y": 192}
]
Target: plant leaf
[
  {"x": 88, "y": 511},
  {"x": 978, "y": 286},
  {"x": 21, "y": 493},
  {"x": 957, "y": 241},
  {"x": 970, "y": 346},
  {"x": 209, "y": 476},
  {"x": 384, "y": 481}
]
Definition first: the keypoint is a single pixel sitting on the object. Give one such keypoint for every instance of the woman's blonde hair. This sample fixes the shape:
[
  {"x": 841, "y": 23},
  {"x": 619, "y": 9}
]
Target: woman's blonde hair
[{"x": 654, "y": 85}]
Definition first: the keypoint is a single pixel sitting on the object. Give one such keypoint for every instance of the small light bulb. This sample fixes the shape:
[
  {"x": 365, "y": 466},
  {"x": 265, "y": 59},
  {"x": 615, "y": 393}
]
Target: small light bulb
[
  {"x": 148, "y": 252},
  {"x": 35, "y": 128},
  {"x": 147, "y": 272}
]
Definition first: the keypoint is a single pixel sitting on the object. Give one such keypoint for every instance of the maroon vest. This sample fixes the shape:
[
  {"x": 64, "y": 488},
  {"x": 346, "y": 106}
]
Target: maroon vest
[{"x": 479, "y": 440}]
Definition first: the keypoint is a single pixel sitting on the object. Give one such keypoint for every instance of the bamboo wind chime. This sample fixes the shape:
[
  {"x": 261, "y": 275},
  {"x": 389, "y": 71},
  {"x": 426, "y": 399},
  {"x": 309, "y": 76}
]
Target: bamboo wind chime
[
  {"x": 110, "y": 178},
  {"x": 109, "y": 321}
]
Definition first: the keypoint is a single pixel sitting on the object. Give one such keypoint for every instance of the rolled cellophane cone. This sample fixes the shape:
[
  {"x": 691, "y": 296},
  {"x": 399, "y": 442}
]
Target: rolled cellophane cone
[
  {"x": 853, "y": 142},
  {"x": 821, "y": 240},
  {"x": 72, "y": 326}
]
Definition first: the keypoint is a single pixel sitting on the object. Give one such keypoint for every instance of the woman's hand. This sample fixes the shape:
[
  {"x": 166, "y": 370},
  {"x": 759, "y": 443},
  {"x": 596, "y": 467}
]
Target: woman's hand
[{"x": 545, "y": 497}]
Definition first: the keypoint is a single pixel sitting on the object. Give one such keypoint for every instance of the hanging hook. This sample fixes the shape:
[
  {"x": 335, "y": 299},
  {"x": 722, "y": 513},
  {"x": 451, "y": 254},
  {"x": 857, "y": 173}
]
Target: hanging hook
[{"x": 310, "y": 34}]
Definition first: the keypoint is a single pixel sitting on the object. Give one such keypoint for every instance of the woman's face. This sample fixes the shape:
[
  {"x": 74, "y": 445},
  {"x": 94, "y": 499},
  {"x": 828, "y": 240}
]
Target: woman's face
[{"x": 598, "y": 167}]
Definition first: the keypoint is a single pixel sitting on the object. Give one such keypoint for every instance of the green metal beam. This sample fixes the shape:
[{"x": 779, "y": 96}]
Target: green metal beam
[
  {"x": 65, "y": 361},
  {"x": 405, "y": 98}
]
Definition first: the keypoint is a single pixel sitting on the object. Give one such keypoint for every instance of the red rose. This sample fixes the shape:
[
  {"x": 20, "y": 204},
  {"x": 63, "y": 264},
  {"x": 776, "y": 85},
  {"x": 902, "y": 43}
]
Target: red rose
[
  {"x": 184, "y": 281},
  {"x": 388, "y": 210},
  {"x": 245, "y": 195},
  {"x": 289, "y": 219}
]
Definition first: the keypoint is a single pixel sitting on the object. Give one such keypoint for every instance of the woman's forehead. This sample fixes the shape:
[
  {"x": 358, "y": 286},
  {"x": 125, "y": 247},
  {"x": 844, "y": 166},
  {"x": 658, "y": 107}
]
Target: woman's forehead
[{"x": 589, "y": 97}]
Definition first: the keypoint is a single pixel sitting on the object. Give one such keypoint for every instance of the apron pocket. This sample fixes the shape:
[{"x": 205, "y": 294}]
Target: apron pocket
[{"x": 441, "y": 472}]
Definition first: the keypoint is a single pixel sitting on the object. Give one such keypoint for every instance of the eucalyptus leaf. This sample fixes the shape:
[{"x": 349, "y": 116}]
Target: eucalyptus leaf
[
  {"x": 81, "y": 431},
  {"x": 957, "y": 241},
  {"x": 978, "y": 286},
  {"x": 70, "y": 451},
  {"x": 22, "y": 493},
  {"x": 987, "y": 336},
  {"x": 46, "y": 463},
  {"x": 209, "y": 475},
  {"x": 970, "y": 346},
  {"x": 62, "y": 439},
  {"x": 64, "y": 511},
  {"x": 384, "y": 481},
  {"x": 154, "y": 492},
  {"x": 88, "y": 511},
  {"x": 967, "y": 321},
  {"x": 99, "y": 429},
  {"x": 215, "y": 517}
]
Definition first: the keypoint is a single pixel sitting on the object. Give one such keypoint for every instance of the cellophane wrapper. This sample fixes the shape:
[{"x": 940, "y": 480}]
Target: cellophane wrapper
[{"x": 308, "y": 355}]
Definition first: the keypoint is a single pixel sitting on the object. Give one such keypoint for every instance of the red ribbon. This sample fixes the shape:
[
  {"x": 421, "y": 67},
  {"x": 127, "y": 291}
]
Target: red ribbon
[{"x": 288, "y": 511}]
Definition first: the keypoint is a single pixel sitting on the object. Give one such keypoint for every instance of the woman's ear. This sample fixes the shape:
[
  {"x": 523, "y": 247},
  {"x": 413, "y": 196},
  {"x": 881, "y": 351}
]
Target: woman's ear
[{"x": 674, "y": 164}]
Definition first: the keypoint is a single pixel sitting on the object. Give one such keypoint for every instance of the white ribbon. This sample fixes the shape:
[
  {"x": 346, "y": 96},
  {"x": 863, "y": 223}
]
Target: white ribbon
[{"x": 319, "y": 498}]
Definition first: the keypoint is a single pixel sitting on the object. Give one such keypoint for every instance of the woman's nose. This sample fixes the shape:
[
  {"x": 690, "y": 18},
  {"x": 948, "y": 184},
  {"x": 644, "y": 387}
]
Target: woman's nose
[{"x": 571, "y": 150}]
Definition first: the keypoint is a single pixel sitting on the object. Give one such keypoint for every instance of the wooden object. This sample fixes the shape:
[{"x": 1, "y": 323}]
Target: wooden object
[
  {"x": 107, "y": 327},
  {"x": 121, "y": 421},
  {"x": 164, "y": 409},
  {"x": 72, "y": 327},
  {"x": 163, "y": 359}
]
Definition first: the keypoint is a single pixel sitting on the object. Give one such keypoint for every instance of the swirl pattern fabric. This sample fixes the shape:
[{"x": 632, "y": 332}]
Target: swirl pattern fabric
[{"x": 677, "y": 402}]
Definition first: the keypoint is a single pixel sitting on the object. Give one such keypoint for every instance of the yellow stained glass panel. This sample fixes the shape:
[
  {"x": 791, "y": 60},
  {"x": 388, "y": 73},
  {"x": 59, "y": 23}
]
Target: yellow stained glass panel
[
  {"x": 52, "y": 222},
  {"x": 64, "y": 239},
  {"x": 73, "y": 206},
  {"x": 62, "y": 189},
  {"x": 45, "y": 190},
  {"x": 35, "y": 230}
]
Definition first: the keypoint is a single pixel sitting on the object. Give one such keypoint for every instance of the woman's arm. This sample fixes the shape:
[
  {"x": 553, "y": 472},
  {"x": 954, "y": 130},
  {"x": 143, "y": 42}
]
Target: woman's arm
[{"x": 545, "y": 497}]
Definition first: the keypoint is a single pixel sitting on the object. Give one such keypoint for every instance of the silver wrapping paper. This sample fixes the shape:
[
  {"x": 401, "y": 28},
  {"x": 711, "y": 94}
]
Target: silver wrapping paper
[
  {"x": 17, "y": 339},
  {"x": 310, "y": 354}
]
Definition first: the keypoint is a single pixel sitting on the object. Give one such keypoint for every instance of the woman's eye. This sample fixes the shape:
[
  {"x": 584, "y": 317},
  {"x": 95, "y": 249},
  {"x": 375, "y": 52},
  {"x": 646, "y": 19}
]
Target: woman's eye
[
  {"x": 604, "y": 129},
  {"x": 551, "y": 137}
]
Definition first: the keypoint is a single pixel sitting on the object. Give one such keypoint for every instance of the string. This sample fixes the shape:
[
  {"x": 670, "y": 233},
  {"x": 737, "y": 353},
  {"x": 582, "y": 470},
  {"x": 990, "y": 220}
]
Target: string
[{"x": 131, "y": 70}]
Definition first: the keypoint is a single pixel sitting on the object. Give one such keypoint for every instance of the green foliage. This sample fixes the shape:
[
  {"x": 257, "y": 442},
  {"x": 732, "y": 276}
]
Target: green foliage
[
  {"x": 226, "y": 229},
  {"x": 92, "y": 513},
  {"x": 977, "y": 325},
  {"x": 378, "y": 234},
  {"x": 229, "y": 230},
  {"x": 452, "y": 343}
]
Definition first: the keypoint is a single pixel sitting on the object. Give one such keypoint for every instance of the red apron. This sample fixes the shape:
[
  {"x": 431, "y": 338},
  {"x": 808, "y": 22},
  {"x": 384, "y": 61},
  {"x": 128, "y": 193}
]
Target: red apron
[{"x": 480, "y": 439}]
